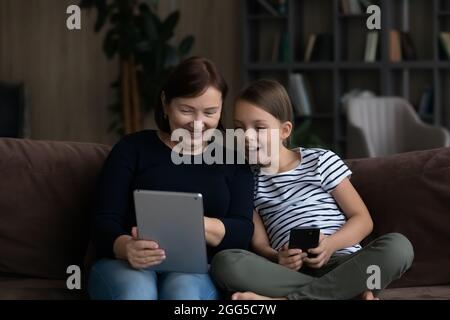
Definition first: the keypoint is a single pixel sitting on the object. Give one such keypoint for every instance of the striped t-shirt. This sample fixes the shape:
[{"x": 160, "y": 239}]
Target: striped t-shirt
[{"x": 301, "y": 197}]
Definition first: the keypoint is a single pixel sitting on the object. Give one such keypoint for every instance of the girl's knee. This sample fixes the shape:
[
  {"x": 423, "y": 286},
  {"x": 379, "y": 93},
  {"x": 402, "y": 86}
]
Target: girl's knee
[
  {"x": 227, "y": 257},
  {"x": 399, "y": 249},
  {"x": 227, "y": 267},
  {"x": 403, "y": 247},
  {"x": 227, "y": 260}
]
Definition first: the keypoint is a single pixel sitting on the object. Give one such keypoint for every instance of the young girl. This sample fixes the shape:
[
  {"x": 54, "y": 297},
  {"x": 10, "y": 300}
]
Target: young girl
[{"x": 310, "y": 188}]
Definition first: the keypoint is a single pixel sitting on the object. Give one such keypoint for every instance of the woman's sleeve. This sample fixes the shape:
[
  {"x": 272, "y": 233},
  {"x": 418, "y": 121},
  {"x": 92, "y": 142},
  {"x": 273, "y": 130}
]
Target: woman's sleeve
[
  {"x": 238, "y": 221},
  {"x": 113, "y": 198}
]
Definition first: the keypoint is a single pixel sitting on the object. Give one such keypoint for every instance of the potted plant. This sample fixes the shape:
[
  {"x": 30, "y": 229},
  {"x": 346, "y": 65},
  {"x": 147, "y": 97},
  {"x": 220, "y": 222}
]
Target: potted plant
[
  {"x": 304, "y": 136},
  {"x": 142, "y": 42}
]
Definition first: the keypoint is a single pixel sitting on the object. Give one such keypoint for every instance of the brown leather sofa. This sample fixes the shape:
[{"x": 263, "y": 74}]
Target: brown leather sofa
[{"x": 47, "y": 189}]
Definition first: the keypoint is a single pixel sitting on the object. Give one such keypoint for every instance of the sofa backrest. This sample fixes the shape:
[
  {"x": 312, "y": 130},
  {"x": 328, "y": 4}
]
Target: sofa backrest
[
  {"x": 46, "y": 190},
  {"x": 410, "y": 193}
]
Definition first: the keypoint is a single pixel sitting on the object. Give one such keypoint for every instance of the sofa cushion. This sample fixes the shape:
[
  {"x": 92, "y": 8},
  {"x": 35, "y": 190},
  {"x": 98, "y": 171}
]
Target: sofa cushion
[
  {"x": 12, "y": 288},
  {"x": 410, "y": 193},
  {"x": 46, "y": 190},
  {"x": 417, "y": 293}
]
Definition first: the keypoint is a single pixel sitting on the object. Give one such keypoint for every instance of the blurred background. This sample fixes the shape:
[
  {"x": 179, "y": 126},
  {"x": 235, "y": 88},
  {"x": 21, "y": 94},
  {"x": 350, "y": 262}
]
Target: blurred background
[
  {"x": 67, "y": 76},
  {"x": 357, "y": 91}
]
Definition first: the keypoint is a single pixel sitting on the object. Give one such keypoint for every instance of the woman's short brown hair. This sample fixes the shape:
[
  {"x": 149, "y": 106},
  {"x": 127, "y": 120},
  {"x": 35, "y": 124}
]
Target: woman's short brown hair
[{"x": 190, "y": 78}]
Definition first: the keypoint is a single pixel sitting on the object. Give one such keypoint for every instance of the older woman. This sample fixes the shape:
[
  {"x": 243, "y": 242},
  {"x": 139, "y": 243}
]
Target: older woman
[{"x": 194, "y": 92}]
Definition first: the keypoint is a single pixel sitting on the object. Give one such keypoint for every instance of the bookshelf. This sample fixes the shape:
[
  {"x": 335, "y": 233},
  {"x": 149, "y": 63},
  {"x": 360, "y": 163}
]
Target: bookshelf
[{"x": 343, "y": 67}]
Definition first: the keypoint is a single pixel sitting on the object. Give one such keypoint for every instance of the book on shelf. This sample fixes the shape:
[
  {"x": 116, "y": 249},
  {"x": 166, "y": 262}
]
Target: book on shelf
[
  {"x": 444, "y": 43},
  {"x": 300, "y": 94},
  {"x": 269, "y": 7},
  {"x": 309, "y": 47},
  {"x": 319, "y": 47},
  {"x": 274, "y": 7},
  {"x": 426, "y": 106},
  {"x": 405, "y": 15},
  {"x": 345, "y": 7},
  {"x": 365, "y": 4},
  {"x": 276, "y": 47},
  {"x": 395, "y": 48},
  {"x": 355, "y": 7},
  {"x": 284, "y": 48},
  {"x": 282, "y": 6},
  {"x": 370, "y": 54},
  {"x": 408, "y": 49}
]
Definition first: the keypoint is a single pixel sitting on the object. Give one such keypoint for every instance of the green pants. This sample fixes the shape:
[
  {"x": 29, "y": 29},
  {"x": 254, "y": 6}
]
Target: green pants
[{"x": 343, "y": 277}]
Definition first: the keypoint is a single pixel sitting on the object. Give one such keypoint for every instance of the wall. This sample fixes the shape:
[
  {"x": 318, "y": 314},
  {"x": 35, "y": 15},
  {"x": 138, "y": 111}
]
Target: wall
[
  {"x": 216, "y": 25},
  {"x": 67, "y": 75}
]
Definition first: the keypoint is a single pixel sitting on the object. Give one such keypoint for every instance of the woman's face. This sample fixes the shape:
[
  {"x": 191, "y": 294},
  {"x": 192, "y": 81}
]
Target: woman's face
[
  {"x": 263, "y": 128},
  {"x": 204, "y": 110}
]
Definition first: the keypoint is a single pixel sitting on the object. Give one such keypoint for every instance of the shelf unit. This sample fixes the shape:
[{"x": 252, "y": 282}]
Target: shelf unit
[{"x": 347, "y": 70}]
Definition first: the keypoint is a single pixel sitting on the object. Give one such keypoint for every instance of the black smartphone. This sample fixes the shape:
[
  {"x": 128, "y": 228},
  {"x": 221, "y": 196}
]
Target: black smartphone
[{"x": 304, "y": 239}]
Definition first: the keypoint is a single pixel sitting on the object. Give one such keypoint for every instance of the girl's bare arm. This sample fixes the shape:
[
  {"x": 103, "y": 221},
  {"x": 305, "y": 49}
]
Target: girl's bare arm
[
  {"x": 359, "y": 223},
  {"x": 260, "y": 240}
]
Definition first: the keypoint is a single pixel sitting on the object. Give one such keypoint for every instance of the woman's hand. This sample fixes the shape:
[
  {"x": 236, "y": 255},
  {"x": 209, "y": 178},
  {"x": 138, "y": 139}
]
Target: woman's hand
[
  {"x": 324, "y": 251},
  {"x": 291, "y": 258},
  {"x": 143, "y": 253}
]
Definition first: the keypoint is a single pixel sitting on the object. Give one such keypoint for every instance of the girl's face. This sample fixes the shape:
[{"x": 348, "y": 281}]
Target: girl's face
[
  {"x": 265, "y": 128},
  {"x": 205, "y": 110}
]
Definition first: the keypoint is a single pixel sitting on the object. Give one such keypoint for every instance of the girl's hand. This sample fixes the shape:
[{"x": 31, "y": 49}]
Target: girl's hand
[
  {"x": 291, "y": 258},
  {"x": 143, "y": 253},
  {"x": 324, "y": 251}
]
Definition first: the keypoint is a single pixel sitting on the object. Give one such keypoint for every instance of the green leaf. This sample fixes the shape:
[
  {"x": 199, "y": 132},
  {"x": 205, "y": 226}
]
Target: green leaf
[
  {"x": 144, "y": 8},
  {"x": 186, "y": 45},
  {"x": 142, "y": 46},
  {"x": 115, "y": 84},
  {"x": 304, "y": 136},
  {"x": 102, "y": 15},
  {"x": 172, "y": 20},
  {"x": 86, "y": 4},
  {"x": 114, "y": 18},
  {"x": 168, "y": 25},
  {"x": 151, "y": 22},
  {"x": 150, "y": 27},
  {"x": 114, "y": 125},
  {"x": 111, "y": 43},
  {"x": 172, "y": 57},
  {"x": 115, "y": 107},
  {"x": 143, "y": 34},
  {"x": 160, "y": 58}
]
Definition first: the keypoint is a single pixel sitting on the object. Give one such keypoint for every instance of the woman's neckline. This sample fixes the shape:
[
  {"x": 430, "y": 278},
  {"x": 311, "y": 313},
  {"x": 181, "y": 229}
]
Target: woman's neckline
[
  {"x": 170, "y": 148},
  {"x": 161, "y": 140}
]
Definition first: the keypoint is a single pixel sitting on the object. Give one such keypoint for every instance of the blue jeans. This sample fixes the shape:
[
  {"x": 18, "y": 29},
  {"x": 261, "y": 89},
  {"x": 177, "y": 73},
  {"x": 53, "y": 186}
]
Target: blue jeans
[{"x": 112, "y": 279}]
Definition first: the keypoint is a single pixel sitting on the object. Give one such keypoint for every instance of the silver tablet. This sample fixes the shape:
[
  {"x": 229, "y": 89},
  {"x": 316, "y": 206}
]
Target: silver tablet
[{"x": 175, "y": 221}]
